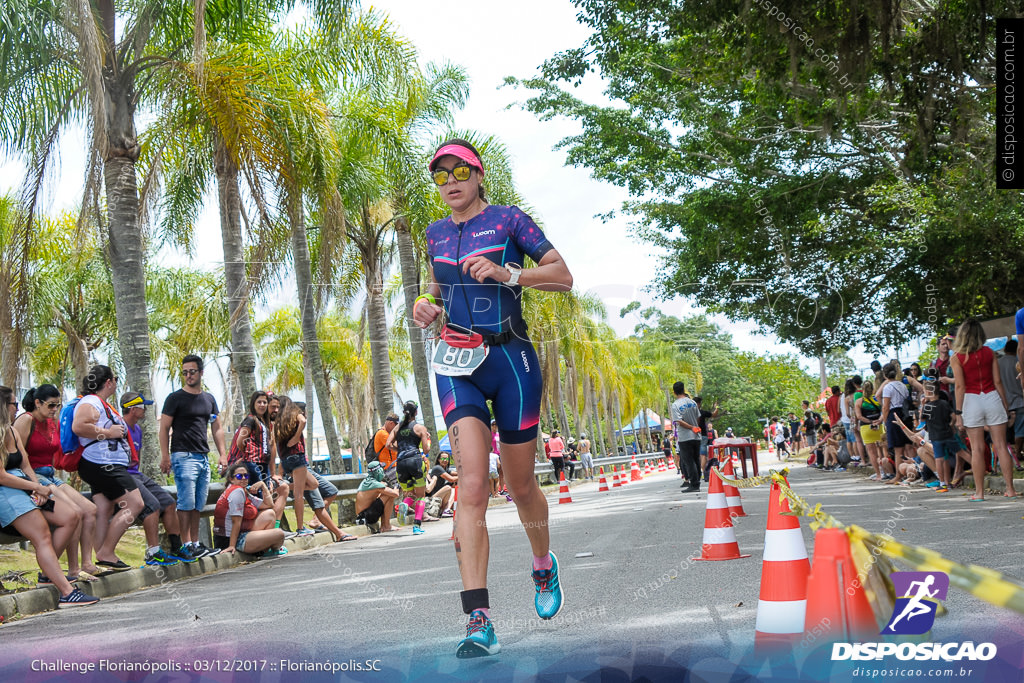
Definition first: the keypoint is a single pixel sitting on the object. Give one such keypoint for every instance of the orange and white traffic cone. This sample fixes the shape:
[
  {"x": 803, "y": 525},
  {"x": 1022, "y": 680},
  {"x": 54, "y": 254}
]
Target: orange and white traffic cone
[
  {"x": 455, "y": 510},
  {"x": 634, "y": 471},
  {"x": 783, "y": 602},
  {"x": 732, "y": 494},
  {"x": 602, "y": 484},
  {"x": 719, "y": 537},
  {"x": 616, "y": 481},
  {"x": 563, "y": 491},
  {"x": 661, "y": 466},
  {"x": 835, "y": 597}
]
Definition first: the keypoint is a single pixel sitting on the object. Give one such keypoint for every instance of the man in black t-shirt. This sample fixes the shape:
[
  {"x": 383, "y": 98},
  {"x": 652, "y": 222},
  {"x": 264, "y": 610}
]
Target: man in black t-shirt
[{"x": 184, "y": 445}]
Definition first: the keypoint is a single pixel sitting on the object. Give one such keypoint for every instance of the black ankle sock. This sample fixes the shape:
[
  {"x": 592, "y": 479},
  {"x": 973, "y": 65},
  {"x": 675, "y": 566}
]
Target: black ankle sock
[
  {"x": 175, "y": 540},
  {"x": 475, "y": 599}
]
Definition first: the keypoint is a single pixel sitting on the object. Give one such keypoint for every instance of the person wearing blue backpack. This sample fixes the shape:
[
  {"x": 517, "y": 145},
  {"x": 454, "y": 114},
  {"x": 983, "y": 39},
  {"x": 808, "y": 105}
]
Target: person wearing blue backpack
[{"x": 104, "y": 464}]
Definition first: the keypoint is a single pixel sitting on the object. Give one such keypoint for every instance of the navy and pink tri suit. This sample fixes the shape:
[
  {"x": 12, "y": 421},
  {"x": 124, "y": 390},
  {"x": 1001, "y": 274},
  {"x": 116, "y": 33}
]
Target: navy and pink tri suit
[{"x": 510, "y": 377}]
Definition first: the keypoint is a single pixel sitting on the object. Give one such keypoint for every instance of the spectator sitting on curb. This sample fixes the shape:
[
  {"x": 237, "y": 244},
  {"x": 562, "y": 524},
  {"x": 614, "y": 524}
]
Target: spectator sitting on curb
[
  {"x": 154, "y": 498},
  {"x": 374, "y": 500},
  {"x": 440, "y": 483},
  {"x": 242, "y": 521}
]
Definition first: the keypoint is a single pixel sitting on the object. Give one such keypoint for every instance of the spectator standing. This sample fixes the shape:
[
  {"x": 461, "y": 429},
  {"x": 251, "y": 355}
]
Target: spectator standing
[
  {"x": 587, "y": 459},
  {"x": 981, "y": 402},
  {"x": 869, "y": 416},
  {"x": 833, "y": 410},
  {"x": 705, "y": 415},
  {"x": 106, "y": 455},
  {"x": 794, "y": 432},
  {"x": 386, "y": 455},
  {"x": 496, "y": 448},
  {"x": 157, "y": 504},
  {"x": 411, "y": 440},
  {"x": 894, "y": 395},
  {"x": 685, "y": 419},
  {"x": 1014, "y": 397},
  {"x": 40, "y": 435},
  {"x": 254, "y": 443},
  {"x": 811, "y": 423},
  {"x": 492, "y": 473},
  {"x": 291, "y": 445},
  {"x": 557, "y": 453},
  {"x": 185, "y": 447},
  {"x": 779, "y": 438}
]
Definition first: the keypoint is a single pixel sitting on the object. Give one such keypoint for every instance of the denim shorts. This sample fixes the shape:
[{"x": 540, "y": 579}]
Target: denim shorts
[
  {"x": 258, "y": 471},
  {"x": 191, "y": 479},
  {"x": 1018, "y": 424},
  {"x": 45, "y": 475},
  {"x": 290, "y": 463},
  {"x": 947, "y": 448},
  {"x": 851, "y": 432},
  {"x": 324, "y": 490},
  {"x": 14, "y": 502}
]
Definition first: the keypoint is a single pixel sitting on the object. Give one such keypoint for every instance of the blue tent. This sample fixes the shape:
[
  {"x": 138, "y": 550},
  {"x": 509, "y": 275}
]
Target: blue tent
[
  {"x": 444, "y": 444},
  {"x": 654, "y": 423}
]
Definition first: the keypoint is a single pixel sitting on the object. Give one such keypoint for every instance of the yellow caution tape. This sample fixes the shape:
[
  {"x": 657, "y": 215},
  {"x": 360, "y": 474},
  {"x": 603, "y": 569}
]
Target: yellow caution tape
[
  {"x": 983, "y": 583},
  {"x": 871, "y": 552},
  {"x": 749, "y": 482}
]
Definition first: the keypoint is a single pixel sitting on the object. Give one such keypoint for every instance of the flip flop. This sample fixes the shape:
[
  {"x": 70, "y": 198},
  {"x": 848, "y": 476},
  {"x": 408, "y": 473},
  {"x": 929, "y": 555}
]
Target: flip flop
[
  {"x": 976, "y": 500},
  {"x": 346, "y": 537},
  {"x": 118, "y": 566},
  {"x": 84, "y": 576}
]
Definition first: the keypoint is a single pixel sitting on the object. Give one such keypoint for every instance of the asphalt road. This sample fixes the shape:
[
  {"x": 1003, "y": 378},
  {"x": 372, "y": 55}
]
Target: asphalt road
[{"x": 635, "y": 605}]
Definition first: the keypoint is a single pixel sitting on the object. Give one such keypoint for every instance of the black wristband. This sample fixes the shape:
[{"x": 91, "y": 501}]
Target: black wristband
[
  {"x": 475, "y": 599},
  {"x": 958, "y": 412}
]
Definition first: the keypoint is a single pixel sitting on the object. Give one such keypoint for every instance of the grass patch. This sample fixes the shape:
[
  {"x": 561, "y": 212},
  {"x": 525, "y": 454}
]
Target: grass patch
[{"x": 22, "y": 563}]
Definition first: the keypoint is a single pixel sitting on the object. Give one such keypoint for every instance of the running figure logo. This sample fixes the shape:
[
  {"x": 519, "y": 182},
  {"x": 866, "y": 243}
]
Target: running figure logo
[{"x": 918, "y": 599}]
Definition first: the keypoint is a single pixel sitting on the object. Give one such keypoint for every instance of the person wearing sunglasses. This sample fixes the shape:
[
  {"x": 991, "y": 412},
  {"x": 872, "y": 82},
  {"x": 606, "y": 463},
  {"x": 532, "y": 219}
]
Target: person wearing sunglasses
[
  {"x": 241, "y": 520},
  {"x": 184, "y": 446},
  {"x": 39, "y": 433},
  {"x": 483, "y": 353}
]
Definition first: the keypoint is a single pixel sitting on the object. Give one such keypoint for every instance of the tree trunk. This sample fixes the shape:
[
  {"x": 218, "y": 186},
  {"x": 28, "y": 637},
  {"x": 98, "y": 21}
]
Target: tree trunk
[
  {"x": 618, "y": 418},
  {"x": 377, "y": 327},
  {"x": 553, "y": 358},
  {"x": 312, "y": 362},
  {"x": 126, "y": 253},
  {"x": 609, "y": 421},
  {"x": 823, "y": 373},
  {"x": 572, "y": 391},
  {"x": 243, "y": 350},
  {"x": 417, "y": 347}
]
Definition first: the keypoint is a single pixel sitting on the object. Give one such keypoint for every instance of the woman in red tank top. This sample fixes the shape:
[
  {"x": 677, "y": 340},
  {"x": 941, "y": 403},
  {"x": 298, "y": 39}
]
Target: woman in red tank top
[
  {"x": 982, "y": 403},
  {"x": 39, "y": 431}
]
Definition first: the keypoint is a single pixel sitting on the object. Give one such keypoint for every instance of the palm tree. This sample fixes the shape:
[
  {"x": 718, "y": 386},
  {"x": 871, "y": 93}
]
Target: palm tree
[{"x": 15, "y": 246}]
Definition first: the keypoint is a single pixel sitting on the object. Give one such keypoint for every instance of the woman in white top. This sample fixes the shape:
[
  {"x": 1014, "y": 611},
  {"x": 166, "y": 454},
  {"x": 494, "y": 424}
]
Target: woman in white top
[{"x": 104, "y": 465}]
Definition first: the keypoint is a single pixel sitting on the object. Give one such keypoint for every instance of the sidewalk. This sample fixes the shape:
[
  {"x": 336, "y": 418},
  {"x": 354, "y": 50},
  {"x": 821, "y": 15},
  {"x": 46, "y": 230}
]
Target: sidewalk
[{"x": 44, "y": 599}]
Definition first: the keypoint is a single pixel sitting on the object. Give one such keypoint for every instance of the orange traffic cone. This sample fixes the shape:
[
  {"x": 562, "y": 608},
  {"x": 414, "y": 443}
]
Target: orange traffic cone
[
  {"x": 455, "y": 510},
  {"x": 719, "y": 538},
  {"x": 563, "y": 491},
  {"x": 835, "y": 596},
  {"x": 616, "y": 481},
  {"x": 634, "y": 471},
  {"x": 602, "y": 485},
  {"x": 732, "y": 494},
  {"x": 661, "y": 465},
  {"x": 783, "y": 601}
]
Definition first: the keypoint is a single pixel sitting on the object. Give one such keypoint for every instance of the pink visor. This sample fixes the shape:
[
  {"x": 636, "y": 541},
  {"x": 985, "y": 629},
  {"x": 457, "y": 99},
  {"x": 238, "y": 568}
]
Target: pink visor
[{"x": 460, "y": 152}]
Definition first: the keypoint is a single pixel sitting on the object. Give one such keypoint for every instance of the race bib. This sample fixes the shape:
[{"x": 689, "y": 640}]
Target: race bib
[{"x": 452, "y": 361}]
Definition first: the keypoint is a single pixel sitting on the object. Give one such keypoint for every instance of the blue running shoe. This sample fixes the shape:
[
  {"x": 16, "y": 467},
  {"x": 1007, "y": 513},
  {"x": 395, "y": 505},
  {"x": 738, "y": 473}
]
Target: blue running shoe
[
  {"x": 416, "y": 531},
  {"x": 185, "y": 554},
  {"x": 548, "y": 600},
  {"x": 160, "y": 558},
  {"x": 480, "y": 640}
]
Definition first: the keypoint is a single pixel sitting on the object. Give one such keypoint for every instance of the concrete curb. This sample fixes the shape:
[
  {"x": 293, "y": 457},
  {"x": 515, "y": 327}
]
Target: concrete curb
[{"x": 44, "y": 599}]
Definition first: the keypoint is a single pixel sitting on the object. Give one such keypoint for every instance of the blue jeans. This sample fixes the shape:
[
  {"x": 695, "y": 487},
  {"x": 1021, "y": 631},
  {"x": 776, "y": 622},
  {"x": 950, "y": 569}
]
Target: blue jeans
[
  {"x": 46, "y": 473},
  {"x": 191, "y": 478}
]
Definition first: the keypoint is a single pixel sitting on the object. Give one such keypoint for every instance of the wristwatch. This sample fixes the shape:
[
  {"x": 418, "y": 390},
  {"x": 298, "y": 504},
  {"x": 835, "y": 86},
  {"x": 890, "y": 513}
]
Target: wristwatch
[
  {"x": 516, "y": 270},
  {"x": 958, "y": 412}
]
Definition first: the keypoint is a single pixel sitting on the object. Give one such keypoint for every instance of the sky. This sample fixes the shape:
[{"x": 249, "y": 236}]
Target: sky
[{"x": 492, "y": 41}]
